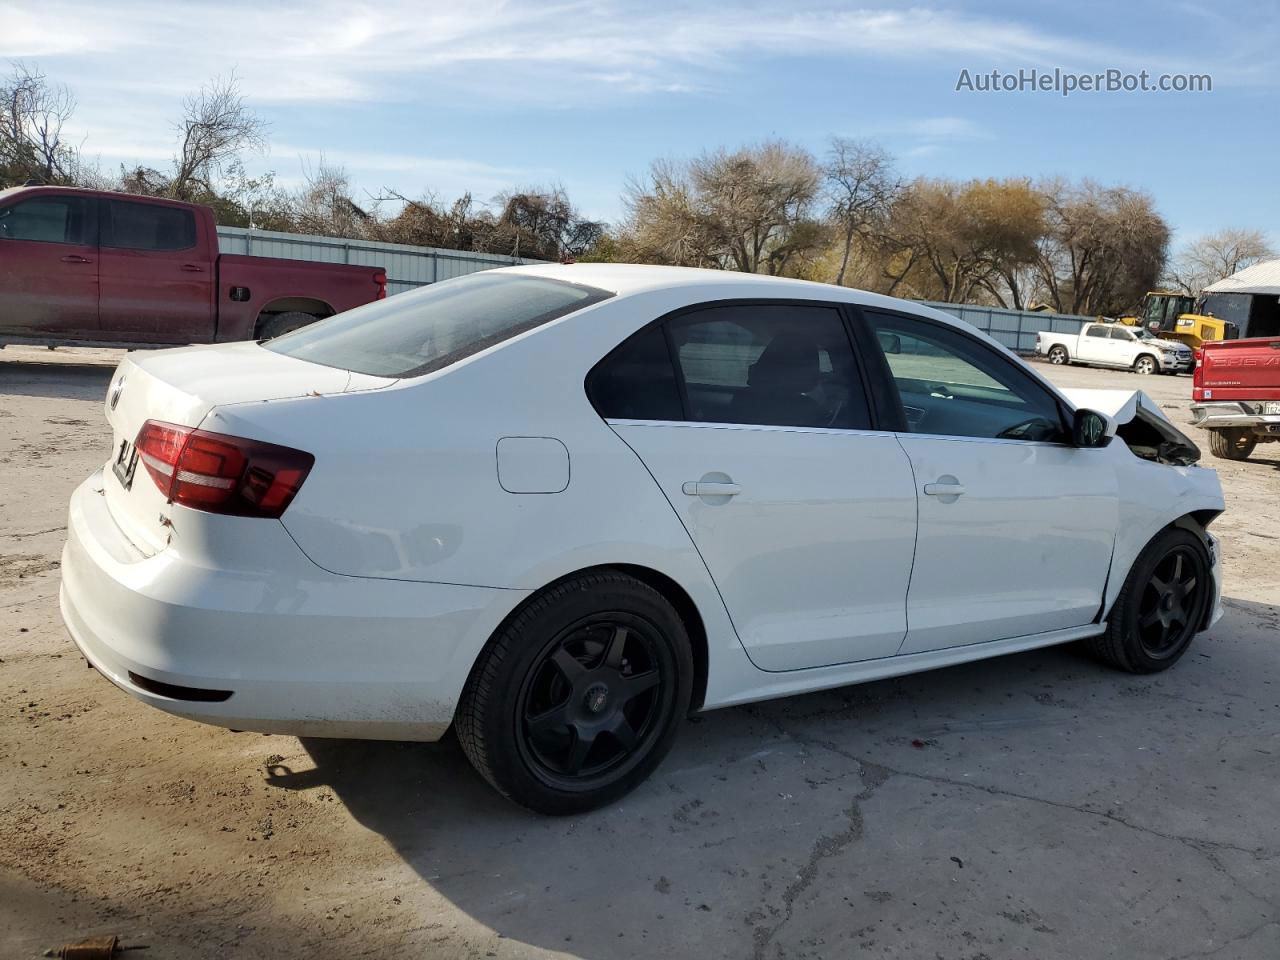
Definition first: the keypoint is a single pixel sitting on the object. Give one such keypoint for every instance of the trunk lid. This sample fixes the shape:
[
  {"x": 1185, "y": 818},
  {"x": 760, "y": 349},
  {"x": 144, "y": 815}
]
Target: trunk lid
[
  {"x": 1239, "y": 370},
  {"x": 181, "y": 386}
]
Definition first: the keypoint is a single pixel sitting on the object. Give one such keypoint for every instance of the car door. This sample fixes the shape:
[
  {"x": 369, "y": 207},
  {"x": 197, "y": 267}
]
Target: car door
[
  {"x": 1124, "y": 347},
  {"x": 753, "y": 419},
  {"x": 157, "y": 285},
  {"x": 1095, "y": 344},
  {"x": 49, "y": 266},
  {"x": 1016, "y": 526}
]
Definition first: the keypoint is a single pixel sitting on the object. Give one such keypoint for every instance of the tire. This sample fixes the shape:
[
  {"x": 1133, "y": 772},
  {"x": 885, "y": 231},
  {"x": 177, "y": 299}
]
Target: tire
[
  {"x": 283, "y": 323},
  {"x": 1232, "y": 443},
  {"x": 1058, "y": 355},
  {"x": 1146, "y": 365},
  {"x": 1161, "y": 606},
  {"x": 577, "y": 698}
]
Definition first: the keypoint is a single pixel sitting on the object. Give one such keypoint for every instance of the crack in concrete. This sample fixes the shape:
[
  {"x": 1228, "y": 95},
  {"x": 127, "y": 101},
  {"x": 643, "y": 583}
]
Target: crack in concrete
[
  {"x": 1248, "y": 935},
  {"x": 825, "y": 847}
]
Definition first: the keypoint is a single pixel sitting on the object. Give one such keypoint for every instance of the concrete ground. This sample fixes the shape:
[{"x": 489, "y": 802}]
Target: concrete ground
[{"x": 1035, "y": 806}]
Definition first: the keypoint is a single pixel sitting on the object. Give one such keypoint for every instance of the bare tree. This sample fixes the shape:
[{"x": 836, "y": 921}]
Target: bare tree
[
  {"x": 33, "y": 113},
  {"x": 750, "y": 209},
  {"x": 1104, "y": 247},
  {"x": 862, "y": 187},
  {"x": 216, "y": 127},
  {"x": 1216, "y": 256}
]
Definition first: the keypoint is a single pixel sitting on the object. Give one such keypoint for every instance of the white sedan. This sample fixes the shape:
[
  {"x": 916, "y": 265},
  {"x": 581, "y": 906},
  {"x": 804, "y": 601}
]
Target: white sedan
[{"x": 558, "y": 508}]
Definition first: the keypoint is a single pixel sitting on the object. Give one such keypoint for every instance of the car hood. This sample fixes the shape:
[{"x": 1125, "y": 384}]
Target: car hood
[
  {"x": 1171, "y": 345},
  {"x": 1120, "y": 406}
]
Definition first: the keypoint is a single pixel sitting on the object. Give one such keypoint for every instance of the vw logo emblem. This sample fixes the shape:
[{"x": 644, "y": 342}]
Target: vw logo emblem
[
  {"x": 115, "y": 394},
  {"x": 596, "y": 698}
]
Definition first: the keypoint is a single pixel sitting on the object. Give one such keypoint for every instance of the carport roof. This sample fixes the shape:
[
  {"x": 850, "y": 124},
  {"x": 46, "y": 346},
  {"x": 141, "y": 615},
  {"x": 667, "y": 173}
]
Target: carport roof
[{"x": 1260, "y": 278}]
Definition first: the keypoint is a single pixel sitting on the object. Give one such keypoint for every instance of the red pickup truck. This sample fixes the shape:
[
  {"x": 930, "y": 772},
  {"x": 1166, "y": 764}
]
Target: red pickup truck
[
  {"x": 1236, "y": 394},
  {"x": 90, "y": 268}
]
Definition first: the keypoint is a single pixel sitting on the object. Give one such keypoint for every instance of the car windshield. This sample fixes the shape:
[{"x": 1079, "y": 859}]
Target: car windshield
[{"x": 415, "y": 333}]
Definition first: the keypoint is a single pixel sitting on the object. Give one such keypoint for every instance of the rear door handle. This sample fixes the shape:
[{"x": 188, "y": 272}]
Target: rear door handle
[
  {"x": 76, "y": 258},
  {"x": 946, "y": 487},
  {"x": 704, "y": 488},
  {"x": 192, "y": 268}
]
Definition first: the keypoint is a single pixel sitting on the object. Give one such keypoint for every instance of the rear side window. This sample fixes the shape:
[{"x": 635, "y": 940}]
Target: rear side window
[
  {"x": 149, "y": 226},
  {"x": 47, "y": 220},
  {"x": 413, "y": 334},
  {"x": 637, "y": 381},
  {"x": 787, "y": 365},
  {"x": 1100, "y": 332}
]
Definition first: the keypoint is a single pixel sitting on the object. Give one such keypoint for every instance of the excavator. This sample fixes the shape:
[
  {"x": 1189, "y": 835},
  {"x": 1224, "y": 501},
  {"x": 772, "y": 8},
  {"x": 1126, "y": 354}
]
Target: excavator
[{"x": 1173, "y": 317}]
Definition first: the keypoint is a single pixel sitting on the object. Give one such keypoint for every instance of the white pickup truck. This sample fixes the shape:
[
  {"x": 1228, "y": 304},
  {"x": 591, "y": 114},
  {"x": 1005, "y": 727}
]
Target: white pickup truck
[{"x": 1115, "y": 345}]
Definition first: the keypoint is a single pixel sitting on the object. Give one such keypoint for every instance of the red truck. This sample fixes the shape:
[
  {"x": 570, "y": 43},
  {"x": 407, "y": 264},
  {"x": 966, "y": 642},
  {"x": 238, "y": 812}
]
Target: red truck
[
  {"x": 92, "y": 268},
  {"x": 1236, "y": 394}
]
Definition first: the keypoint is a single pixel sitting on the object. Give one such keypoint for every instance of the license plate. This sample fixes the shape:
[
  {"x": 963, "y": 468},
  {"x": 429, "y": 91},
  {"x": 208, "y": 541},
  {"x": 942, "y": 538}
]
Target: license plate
[
  {"x": 1271, "y": 406},
  {"x": 126, "y": 464}
]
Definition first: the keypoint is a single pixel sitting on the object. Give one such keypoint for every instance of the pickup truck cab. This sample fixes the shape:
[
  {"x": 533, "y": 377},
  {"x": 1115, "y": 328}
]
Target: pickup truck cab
[
  {"x": 1116, "y": 345},
  {"x": 93, "y": 268},
  {"x": 1236, "y": 395}
]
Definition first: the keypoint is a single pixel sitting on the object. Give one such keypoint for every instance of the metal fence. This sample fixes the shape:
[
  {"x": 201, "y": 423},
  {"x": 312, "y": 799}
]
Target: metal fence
[
  {"x": 1016, "y": 329},
  {"x": 407, "y": 266}
]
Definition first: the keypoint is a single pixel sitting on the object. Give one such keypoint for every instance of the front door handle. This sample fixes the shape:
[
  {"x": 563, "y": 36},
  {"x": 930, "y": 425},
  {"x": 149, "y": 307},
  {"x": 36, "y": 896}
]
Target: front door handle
[
  {"x": 192, "y": 268},
  {"x": 946, "y": 489},
  {"x": 76, "y": 258},
  {"x": 705, "y": 488}
]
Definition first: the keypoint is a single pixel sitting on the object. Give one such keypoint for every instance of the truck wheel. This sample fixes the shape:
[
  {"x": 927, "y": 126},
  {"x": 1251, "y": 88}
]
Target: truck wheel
[
  {"x": 1146, "y": 365},
  {"x": 1232, "y": 443},
  {"x": 1058, "y": 355},
  {"x": 283, "y": 323},
  {"x": 1161, "y": 606}
]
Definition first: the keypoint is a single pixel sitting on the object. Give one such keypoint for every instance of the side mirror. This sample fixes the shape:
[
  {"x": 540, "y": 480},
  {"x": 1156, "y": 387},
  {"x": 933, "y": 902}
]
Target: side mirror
[
  {"x": 890, "y": 342},
  {"x": 1089, "y": 429}
]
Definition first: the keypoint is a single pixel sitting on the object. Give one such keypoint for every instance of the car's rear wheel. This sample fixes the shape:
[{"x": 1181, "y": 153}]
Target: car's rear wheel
[
  {"x": 1232, "y": 443},
  {"x": 1058, "y": 355},
  {"x": 577, "y": 698},
  {"x": 1161, "y": 606}
]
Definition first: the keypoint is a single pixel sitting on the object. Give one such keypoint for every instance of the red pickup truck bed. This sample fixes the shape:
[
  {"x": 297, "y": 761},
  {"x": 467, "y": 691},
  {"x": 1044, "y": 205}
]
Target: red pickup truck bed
[
  {"x": 86, "y": 267},
  {"x": 1236, "y": 394}
]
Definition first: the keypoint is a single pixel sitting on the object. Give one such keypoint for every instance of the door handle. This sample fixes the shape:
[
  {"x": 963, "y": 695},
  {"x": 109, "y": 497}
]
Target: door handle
[
  {"x": 75, "y": 258},
  {"x": 192, "y": 268},
  {"x": 704, "y": 488},
  {"x": 947, "y": 489}
]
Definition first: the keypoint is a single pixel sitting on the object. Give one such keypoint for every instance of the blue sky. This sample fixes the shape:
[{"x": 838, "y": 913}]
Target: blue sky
[{"x": 430, "y": 97}]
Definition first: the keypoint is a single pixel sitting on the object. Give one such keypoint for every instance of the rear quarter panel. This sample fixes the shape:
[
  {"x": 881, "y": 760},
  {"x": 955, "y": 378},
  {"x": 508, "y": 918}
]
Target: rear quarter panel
[{"x": 339, "y": 286}]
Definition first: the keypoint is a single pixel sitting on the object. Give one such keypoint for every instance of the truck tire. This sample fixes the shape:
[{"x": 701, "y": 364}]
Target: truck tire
[
  {"x": 1232, "y": 443},
  {"x": 283, "y": 323},
  {"x": 1058, "y": 355},
  {"x": 1146, "y": 365}
]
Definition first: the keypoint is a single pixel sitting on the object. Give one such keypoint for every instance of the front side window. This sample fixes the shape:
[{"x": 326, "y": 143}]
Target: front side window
[
  {"x": 952, "y": 385},
  {"x": 413, "y": 334},
  {"x": 1118, "y": 334},
  {"x": 149, "y": 226},
  {"x": 49, "y": 219},
  {"x": 769, "y": 364}
]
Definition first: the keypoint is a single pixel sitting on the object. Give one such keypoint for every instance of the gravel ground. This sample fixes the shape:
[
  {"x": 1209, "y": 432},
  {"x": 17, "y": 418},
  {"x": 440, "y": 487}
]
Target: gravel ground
[{"x": 1034, "y": 806}]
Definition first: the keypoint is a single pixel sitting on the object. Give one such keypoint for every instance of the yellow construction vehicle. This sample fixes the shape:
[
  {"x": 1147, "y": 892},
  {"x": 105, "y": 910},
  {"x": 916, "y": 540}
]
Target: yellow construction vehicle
[{"x": 1172, "y": 316}]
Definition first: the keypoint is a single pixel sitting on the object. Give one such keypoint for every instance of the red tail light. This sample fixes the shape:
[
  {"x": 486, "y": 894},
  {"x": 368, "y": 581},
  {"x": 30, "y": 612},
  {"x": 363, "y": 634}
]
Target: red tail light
[
  {"x": 1197, "y": 376},
  {"x": 221, "y": 474},
  {"x": 380, "y": 278}
]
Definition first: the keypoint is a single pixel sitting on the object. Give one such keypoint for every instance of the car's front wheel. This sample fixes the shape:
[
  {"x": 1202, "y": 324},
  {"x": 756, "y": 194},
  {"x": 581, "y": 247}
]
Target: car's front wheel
[
  {"x": 1161, "y": 606},
  {"x": 577, "y": 698}
]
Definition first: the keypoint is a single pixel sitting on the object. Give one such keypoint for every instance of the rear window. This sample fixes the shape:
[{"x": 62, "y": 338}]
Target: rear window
[{"x": 413, "y": 334}]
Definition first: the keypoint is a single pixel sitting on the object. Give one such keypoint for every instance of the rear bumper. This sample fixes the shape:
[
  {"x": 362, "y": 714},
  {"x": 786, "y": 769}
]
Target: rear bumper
[
  {"x": 299, "y": 651},
  {"x": 1228, "y": 413}
]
